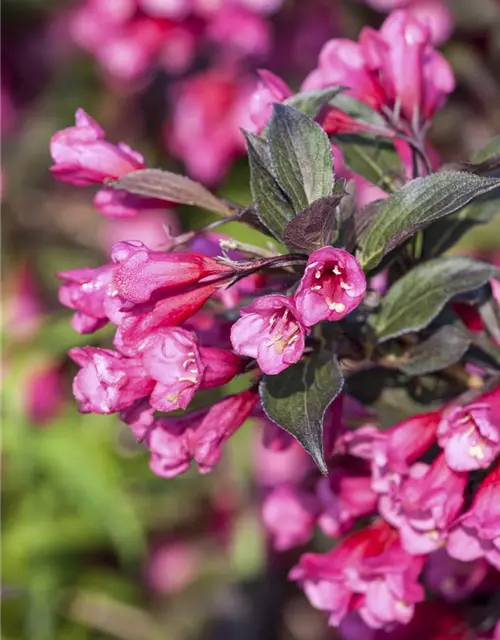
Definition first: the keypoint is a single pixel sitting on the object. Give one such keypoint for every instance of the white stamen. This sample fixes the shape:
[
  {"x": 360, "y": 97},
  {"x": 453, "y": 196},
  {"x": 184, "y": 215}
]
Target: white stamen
[
  {"x": 317, "y": 274},
  {"x": 336, "y": 306},
  {"x": 316, "y": 287},
  {"x": 336, "y": 270},
  {"x": 345, "y": 286}
]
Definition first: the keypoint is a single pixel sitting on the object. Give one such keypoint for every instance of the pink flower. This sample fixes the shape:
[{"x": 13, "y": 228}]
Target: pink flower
[
  {"x": 108, "y": 382},
  {"x": 140, "y": 272},
  {"x": 85, "y": 291},
  {"x": 270, "y": 330},
  {"x": 289, "y": 515},
  {"x": 220, "y": 366},
  {"x": 342, "y": 62},
  {"x": 424, "y": 506},
  {"x": 197, "y": 436},
  {"x": 332, "y": 286},
  {"x": 344, "y": 496},
  {"x": 392, "y": 450},
  {"x": 171, "y": 357},
  {"x": 270, "y": 89},
  {"x": 470, "y": 435},
  {"x": 368, "y": 571},
  {"x": 137, "y": 322},
  {"x": 43, "y": 392},
  {"x": 240, "y": 32},
  {"x": 403, "y": 37},
  {"x": 208, "y": 110},
  {"x": 476, "y": 534},
  {"x": 452, "y": 579},
  {"x": 82, "y": 156}
]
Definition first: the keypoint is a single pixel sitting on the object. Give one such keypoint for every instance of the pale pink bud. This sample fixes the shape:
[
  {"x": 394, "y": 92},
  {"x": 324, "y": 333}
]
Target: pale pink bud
[
  {"x": 332, "y": 286},
  {"x": 270, "y": 331}
]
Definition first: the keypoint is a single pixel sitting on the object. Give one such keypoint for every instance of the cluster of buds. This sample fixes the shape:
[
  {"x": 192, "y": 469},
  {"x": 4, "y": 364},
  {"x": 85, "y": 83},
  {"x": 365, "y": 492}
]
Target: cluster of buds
[{"x": 415, "y": 504}]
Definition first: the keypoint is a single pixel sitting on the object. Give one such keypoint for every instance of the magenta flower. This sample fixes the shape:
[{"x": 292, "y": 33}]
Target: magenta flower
[
  {"x": 424, "y": 506},
  {"x": 197, "y": 436},
  {"x": 332, "y": 286},
  {"x": 341, "y": 62},
  {"x": 82, "y": 156},
  {"x": 108, "y": 382},
  {"x": 220, "y": 366},
  {"x": 270, "y": 89},
  {"x": 140, "y": 272},
  {"x": 391, "y": 451},
  {"x": 43, "y": 392},
  {"x": 404, "y": 37},
  {"x": 289, "y": 515},
  {"x": 270, "y": 330},
  {"x": 171, "y": 357},
  {"x": 476, "y": 534},
  {"x": 369, "y": 572},
  {"x": 345, "y": 496},
  {"x": 470, "y": 435},
  {"x": 137, "y": 322},
  {"x": 85, "y": 291}
]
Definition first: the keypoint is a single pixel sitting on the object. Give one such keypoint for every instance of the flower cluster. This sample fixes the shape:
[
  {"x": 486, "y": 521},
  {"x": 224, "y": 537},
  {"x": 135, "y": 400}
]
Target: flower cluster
[{"x": 414, "y": 499}]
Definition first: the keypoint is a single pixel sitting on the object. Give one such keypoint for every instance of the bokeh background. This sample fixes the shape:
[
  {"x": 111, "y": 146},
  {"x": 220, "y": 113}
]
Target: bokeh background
[{"x": 93, "y": 544}]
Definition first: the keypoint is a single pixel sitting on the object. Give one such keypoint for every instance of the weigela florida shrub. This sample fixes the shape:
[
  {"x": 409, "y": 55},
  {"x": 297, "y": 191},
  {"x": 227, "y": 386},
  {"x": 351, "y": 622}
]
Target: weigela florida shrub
[{"x": 353, "y": 306}]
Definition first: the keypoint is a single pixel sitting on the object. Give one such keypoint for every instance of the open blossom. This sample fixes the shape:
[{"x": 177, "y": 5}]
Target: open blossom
[
  {"x": 392, "y": 451},
  {"x": 476, "y": 534},
  {"x": 270, "y": 330},
  {"x": 344, "y": 496},
  {"x": 85, "y": 290},
  {"x": 208, "y": 110},
  {"x": 470, "y": 435},
  {"x": 197, "y": 436},
  {"x": 369, "y": 572},
  {"x": 332, "y": 286},
  {"x": 270, "y": 89},
  {"x": 289, "y": 515},
  {"x": 171, "y": 357},
  {"x": 425, "y": 505},
  {"x": 108, "y": 382}
]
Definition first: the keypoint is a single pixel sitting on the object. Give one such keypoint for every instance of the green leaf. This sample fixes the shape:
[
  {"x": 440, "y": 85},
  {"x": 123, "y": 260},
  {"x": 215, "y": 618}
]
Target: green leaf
[
  {"x": 274, "y": 209},
  {"x": 416, "y": 205},
  {"x": 297, "y": 398},
  {"x": 315, "y": 227},
  {"x": 171, "y": 187},
  {"x": 309, "y": 102},
  {"x": 442, "y": 349},
  {"x": 301, "y": 155},
  {"x": 417, "y": 298},
  {"x": 372, "y": 157}
]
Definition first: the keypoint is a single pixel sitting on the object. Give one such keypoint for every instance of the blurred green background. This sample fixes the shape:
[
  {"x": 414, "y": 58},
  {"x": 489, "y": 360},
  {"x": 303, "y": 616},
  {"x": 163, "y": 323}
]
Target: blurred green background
[{"x": 93, "y": 544}]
